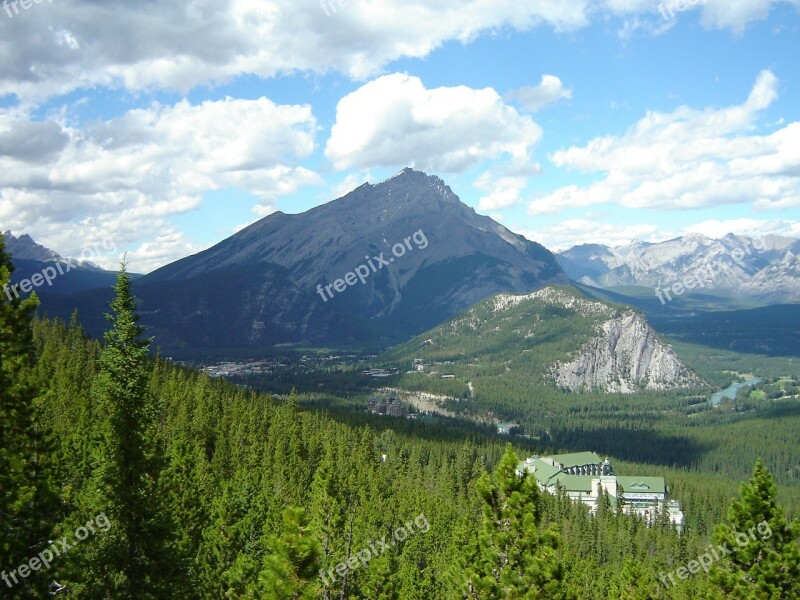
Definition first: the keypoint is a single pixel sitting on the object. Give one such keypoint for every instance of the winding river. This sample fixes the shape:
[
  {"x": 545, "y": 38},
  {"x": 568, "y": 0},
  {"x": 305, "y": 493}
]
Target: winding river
[{"x": 729, "y": 393}]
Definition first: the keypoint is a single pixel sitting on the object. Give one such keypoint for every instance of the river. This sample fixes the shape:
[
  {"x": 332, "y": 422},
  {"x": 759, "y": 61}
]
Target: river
[{"x": 729, "y": 392}]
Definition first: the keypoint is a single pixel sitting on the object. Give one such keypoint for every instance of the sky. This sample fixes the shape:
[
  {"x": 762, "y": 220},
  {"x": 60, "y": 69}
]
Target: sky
[{"x": 160, "y": 128}]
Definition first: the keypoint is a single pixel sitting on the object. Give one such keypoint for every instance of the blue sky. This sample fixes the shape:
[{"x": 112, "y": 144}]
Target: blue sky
[{"x": 169, "y": 129}]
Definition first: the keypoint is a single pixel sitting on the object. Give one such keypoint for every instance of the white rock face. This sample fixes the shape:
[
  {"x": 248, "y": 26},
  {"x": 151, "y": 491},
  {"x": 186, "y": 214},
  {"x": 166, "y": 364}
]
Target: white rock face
[
  {"x": 626, "y": 356},
  {"x": 556, "y": 297}
]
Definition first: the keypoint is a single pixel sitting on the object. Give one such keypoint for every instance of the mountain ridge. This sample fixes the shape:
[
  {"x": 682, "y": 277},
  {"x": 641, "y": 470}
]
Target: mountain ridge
[
  {"x": 31, "y": 259},
  {"x": 765, "y": 269},
  {"x": 458, "y": 258},
  {"x": 557, "y": 337}
]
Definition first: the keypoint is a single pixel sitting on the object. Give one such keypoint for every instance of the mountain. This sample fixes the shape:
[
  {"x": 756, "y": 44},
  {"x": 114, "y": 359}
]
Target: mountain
[
  {"x": 248, "y": 307},
  {"x": 560, "y": 339},
  {"x": 25, "y": 247},
  {"x": 378, "y": 265},
  {"x": 764, "y": 270},
  {"x": 31, "y": 260}
]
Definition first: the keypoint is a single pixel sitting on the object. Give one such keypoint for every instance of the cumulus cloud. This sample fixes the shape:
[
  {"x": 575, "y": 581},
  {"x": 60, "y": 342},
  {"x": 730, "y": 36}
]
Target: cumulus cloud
[
  {"x": 394, "y": 121},
  {"x": 129, "y": 174},
  {"x": 735, "y": 15},
  {"x": 349, "y": 183},
  {"x": 717, "y": 228},
  {"x": 687, "y": 159},
  {"x": 571, "y": 232},
  {"x": 502, "y": 192},
  {"x": 71, "y": 44},
  {"x": 591, "y": 229},
  {"x": 549, "y": 91},
  {"x": 58, "y": 47}
]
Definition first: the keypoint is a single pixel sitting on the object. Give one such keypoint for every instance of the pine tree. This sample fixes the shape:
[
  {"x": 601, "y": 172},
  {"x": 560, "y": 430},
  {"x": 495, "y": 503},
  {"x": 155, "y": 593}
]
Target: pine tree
[
  {"x": 328, "y": 515},
  {"x": 27, "y": 504},
  {"x": 290, "y": 570},
  {"x": 129, "y": 560},
  {"x": 764, "y": 561},
  {"x": 514, "y": 559},
  {"x": 631, "y": 583}
]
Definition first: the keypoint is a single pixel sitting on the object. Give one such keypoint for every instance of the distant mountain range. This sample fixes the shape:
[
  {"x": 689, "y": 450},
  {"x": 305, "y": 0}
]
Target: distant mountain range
[
  {"x": 376, "y": 266},
  {"x": 763, "y": 270},
  {"x": 388, "y": 261},
  {"x": 25, "y": 247},
  {"x": 31, "y": 258}
]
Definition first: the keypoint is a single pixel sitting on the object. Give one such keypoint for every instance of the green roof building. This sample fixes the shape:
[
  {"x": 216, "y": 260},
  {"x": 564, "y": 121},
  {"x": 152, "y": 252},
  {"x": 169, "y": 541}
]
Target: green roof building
[{"x": 583, "y": 474}]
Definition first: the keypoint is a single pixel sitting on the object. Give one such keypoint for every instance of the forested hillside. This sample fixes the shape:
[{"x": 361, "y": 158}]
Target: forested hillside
[{"x": 164, "y": 483}]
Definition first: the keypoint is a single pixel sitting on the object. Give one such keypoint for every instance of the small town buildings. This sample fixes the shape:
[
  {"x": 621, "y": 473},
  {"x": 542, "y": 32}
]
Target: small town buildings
[
  {"x": 391, "y": 406},
  {"x": 376, "y": 373},
  {"x": 583, "y": 476}
]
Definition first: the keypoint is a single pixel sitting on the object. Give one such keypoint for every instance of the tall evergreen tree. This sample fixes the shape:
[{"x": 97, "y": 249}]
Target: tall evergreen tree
[
  {"x": 128, "y": 561},
  {"x": 27, "y": 504},
  {"x": 514, "y": 559},
  {"x": 631, "y": 583},
  {"x": 329, "y": 514},
  {"x": 765, "y": 553},
  {"x": 290, "y": 570}
]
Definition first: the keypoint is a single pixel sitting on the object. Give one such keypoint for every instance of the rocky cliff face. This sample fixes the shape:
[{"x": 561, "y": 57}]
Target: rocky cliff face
[{"x": 625, "y": 356}]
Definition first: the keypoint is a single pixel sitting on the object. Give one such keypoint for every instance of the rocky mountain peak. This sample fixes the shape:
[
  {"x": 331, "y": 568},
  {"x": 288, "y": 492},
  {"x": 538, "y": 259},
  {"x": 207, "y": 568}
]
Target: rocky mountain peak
[
  {"x": 25, "y": 247},
  {"x": 440, "y": 256},
  {"x": 416, "y": 189}
]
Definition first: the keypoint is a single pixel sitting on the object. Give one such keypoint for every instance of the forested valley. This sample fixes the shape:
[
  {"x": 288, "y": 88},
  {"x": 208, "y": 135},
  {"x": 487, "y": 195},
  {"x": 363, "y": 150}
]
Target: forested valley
[{"x": 209, "y": 490}]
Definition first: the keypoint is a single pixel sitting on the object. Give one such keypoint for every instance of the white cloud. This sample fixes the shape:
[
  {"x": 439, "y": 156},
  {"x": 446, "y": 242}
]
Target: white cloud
[
  {"x": 130, "y": 174},
  {"x": 735, "y": 15},
  {"x": 394, "y": 121},
  {"x": 571, "y": 232},
  {"x": 715, "y": 228},
  {"x": 629, "y": 6},
  {"x": 349, "y": 183},
  {"x": 73, "y": 44},
  {"x": 687, "y": 159},
  {"x": 591, "y": 229},
  {"x": 503, "y": 192},
  {"x": 158, "y": 251},
  {"x": 58, "y": 47},
  {"x": 549, "y": 91}
]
